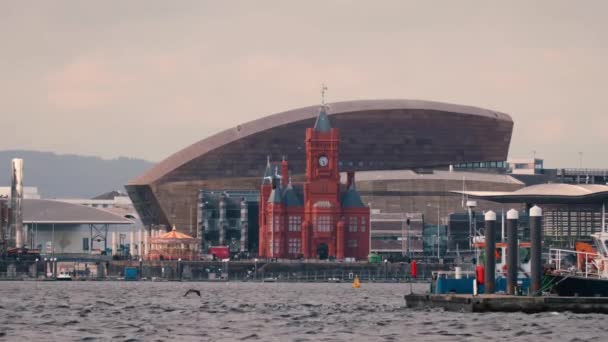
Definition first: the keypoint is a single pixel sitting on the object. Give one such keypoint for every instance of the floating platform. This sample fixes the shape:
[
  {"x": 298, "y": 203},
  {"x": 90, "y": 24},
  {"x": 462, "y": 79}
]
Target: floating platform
[{"x": 505, "y": 303}]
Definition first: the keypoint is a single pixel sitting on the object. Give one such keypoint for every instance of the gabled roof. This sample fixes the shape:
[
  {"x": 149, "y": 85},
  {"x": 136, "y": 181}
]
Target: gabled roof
[
  {"x": 275, "y": 195},
  {"x": 322, "y": 124},
  {"x": 352, "y": 199},
  {"x": 49, "y": 211},
  {"x": 290, "y": 198}
]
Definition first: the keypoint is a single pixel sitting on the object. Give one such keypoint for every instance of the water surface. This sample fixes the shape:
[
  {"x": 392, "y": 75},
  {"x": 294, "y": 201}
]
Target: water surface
[{"x": 153, "y": 311}]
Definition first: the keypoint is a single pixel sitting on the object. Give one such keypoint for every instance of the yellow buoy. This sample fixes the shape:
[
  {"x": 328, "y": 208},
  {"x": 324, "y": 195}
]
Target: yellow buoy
[{"x": 356, "y": 284}]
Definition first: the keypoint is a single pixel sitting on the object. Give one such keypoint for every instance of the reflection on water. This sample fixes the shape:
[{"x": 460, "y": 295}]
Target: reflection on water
[{"x": 259, "y": 311}]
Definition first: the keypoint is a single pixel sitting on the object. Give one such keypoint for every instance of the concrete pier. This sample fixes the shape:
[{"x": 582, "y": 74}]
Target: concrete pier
[{"x": 506, "y": 303}]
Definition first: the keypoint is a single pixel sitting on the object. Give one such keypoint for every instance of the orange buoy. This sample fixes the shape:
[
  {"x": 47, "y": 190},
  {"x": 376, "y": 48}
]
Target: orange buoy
[{"x": 356, "y": 283}]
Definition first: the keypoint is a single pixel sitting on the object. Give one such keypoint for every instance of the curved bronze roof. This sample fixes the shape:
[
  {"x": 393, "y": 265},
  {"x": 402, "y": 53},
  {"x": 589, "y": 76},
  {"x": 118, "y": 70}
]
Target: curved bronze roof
[{"x": 269, "y": 122}]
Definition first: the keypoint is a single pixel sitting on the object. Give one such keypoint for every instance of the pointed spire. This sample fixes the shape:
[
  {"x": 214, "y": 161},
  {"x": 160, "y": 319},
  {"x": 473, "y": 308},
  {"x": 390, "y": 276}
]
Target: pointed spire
[
  {"x": 323, "y": 90},
  {"x": 290, "y": 198},
  {"x": 276, "y": 172},
  {"x": 322, "y": 124},
  {"x": 275, "y": 195}
]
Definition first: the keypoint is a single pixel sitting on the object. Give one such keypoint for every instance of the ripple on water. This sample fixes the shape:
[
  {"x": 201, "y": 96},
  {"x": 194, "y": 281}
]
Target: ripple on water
[{"x": 247, "y": 311}]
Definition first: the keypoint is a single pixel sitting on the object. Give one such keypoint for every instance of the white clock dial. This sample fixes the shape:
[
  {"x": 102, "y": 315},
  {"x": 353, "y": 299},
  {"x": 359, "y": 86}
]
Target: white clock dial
[{"x": 323, "y": 161}]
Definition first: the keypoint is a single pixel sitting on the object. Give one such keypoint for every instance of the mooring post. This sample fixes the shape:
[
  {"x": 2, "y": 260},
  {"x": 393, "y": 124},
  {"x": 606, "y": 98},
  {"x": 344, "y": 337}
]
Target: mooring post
[
  {"x": 490, "y": 274},
  {"x": 536, "y": 214},
  {"x": 512, "y": 251}
]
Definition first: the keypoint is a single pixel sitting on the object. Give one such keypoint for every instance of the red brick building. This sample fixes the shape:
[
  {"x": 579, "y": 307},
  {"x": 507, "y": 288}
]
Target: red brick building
[{"x": 317, "y": 219}]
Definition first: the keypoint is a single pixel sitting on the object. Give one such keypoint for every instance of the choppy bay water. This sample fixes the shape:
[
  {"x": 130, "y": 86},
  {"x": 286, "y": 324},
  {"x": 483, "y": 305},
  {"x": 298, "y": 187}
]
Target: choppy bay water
[{"x": 147, "y": 311}]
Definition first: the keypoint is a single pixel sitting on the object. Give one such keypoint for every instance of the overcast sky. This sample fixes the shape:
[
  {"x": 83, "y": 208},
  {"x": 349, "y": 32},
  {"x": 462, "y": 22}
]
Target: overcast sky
[{"x": 147, "y": 78}]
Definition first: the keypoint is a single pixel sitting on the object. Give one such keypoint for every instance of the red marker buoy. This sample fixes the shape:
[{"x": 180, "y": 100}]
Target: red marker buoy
[
  {"x": 479, "y": 273},
  {"x": 413, "y": 269}
]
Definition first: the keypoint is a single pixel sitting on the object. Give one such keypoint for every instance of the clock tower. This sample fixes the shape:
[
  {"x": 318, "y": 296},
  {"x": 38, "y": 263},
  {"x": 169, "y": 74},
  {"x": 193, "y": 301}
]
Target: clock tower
[
  {"x": 318, "y": 218},
  {"x": 322, "y": 187}
]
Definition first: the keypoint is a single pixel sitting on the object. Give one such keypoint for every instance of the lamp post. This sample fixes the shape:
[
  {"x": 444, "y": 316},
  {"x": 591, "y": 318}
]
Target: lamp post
[
  {"x": 225, "y": 261},
  {"x": 255, "y": 268},
  {"x": 179, "y": 268},
  {"x": 385, "y": 269},
  {"x": 141, "y": 268},
  {"x": 409, "y": 238},
  {"x": 36, "y": 269},
  {"x": 46, "y": 274}
]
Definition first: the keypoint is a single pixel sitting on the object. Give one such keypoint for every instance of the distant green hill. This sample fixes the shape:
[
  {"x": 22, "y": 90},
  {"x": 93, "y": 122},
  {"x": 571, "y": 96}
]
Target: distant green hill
[{"x": 69, "y": 175}]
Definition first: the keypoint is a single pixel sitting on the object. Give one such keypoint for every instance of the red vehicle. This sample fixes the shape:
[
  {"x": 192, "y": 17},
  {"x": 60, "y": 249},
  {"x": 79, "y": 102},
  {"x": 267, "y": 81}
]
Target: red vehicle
[{"x": 219, "y": 252}]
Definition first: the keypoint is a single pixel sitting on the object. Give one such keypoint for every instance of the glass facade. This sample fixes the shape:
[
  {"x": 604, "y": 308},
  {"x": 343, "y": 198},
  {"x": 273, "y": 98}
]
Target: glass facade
[{"x": 482, "y": 165}]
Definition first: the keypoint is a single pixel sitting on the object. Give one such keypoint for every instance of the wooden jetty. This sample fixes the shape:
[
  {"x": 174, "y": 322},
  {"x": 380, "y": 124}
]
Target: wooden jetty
[{"x": 506, "y": 303}]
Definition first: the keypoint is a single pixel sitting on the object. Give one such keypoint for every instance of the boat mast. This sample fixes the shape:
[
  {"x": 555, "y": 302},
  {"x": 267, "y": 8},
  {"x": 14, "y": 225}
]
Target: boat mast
[
  {"x": 604, "y": 217},
  {"x": 502, "y": 228}
]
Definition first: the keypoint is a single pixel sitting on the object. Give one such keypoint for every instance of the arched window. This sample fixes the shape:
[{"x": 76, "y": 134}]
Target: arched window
[{"x": 324, "y": 223}]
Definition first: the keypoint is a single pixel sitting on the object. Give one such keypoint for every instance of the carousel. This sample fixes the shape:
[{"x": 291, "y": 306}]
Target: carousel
[{"x": 174, "y": 246}]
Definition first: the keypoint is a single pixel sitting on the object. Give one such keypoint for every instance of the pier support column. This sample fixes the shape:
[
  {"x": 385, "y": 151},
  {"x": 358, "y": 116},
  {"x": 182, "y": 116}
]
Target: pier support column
[
  {"x": 512, "y": 251},
  {"x": 536, "y": 214},
  {"x": 490, "y": 273}
]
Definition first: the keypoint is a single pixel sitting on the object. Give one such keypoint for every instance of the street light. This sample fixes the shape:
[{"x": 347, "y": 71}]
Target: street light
[
  {"x": 179, "y": 268},
  {"x": 36, "y": 269},
  {"x": 54, "y": 266},
  {"x": 255, "y": 268},
  {"x": 141, "y": 268}
]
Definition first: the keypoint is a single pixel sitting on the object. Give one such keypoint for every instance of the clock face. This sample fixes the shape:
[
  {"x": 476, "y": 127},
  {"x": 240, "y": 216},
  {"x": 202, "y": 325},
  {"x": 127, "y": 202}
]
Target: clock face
[{"x": 323, "y": 161}]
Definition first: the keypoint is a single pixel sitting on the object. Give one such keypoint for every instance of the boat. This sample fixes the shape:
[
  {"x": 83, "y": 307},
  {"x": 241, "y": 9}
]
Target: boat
[
  {"x": 63, "y": 276},
  {"x": 582, "y": 272},
  {"x": 469, "y": 279}
]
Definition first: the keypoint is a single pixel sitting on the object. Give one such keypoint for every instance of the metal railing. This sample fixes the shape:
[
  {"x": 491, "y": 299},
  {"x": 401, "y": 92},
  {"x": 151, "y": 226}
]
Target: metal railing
[{"x": 588, "y": 260}]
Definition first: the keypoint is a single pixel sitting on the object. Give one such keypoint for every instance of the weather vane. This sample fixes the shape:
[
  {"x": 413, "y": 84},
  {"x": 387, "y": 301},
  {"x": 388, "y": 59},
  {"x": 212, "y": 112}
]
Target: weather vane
[{"x": 323, "y": 90}]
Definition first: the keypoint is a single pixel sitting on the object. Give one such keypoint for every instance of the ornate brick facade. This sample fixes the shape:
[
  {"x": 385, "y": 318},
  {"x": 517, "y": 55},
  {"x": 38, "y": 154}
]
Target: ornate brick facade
[{"x": 319, "y": 218}]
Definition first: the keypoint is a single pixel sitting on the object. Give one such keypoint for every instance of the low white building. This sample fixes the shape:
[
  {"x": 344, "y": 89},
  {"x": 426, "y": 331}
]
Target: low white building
[
  {"x": 57, "y": 227},
  {"x": 525, "y": 166},
  {"x": 28, "y": 192}
]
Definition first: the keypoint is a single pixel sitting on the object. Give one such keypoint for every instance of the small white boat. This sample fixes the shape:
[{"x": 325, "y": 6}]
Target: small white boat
[{"x": 64, "y": 276}]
